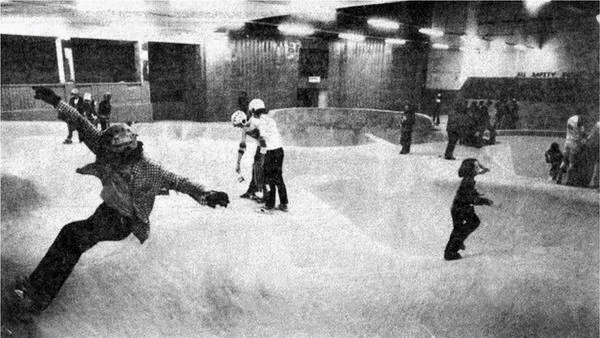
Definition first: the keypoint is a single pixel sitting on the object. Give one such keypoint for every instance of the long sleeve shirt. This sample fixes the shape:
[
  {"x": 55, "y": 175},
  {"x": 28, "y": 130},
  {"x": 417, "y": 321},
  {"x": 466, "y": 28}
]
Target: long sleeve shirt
[
  {"x": 467, "y": 196},
  {"x": 130, "y": 186}
]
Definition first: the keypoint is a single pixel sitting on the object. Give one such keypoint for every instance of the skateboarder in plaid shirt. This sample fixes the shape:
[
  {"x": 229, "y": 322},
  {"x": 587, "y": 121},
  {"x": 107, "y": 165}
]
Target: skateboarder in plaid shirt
[{"x": 130, "y": 183}]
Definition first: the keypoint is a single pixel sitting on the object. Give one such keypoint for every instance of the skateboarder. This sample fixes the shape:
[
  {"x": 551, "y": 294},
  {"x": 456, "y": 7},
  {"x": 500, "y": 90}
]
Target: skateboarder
[
  {"x": 130, "y": 182},
  {"x": 464, "y": 219}
]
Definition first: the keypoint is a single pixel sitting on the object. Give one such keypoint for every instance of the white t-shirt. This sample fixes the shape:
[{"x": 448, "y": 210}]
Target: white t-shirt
[{"x": 268, "y": 131}]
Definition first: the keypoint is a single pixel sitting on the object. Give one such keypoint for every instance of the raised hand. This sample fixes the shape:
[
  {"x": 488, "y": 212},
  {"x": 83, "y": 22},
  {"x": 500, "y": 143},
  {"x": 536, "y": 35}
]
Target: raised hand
[{"x": 46, "y": 95}]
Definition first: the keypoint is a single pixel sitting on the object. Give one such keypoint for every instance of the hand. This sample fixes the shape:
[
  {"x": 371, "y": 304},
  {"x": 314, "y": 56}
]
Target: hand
[
  {"x": 46, "y": 95},
  {"x": 214, "y": 198}
]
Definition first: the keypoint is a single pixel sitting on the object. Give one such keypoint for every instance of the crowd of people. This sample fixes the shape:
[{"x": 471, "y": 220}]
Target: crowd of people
[
  {"x": 97, "y": 114},
  {"x": 578, "y": 164}
]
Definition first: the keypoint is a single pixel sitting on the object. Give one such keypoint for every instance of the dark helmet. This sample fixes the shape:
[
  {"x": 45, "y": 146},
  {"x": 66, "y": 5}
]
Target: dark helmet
[{"x": 119, "y": 137}]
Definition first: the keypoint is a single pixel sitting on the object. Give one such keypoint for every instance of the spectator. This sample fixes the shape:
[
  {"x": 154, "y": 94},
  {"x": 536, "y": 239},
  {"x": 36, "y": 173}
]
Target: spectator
[
  {"x": 492, "y": 114},
  {"x": 512, "y": 114},
  {"x": 455, "y": 127},
  {"x": 75, "y": 101},
  {"x": 593, "y": 154},
  {"x": 104, "y": 109},
  {"x": 554, "y": 157},
  {"x": 574, "y": 157},
  {"x": 408, "y": 121},
  {"x": 89, "y": 109},
  {"x": 437, "y": 108},
  {"x": 501, "y": 113}
]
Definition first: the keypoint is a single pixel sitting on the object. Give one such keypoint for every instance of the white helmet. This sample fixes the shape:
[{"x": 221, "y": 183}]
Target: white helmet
[
  {"x": 239, "y": 118},
  {"x": 87, "y": 97},
  {"x": 256, "y": 104}
]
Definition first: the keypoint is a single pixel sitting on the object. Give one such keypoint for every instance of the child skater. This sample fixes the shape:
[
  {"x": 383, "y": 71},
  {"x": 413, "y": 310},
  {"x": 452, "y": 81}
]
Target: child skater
[
  {"x": 240, "y": 120},
  {"x": 464, "y": 219},
  {"x": 554, "y": 157},
  {"x": 130, "y": 182}
]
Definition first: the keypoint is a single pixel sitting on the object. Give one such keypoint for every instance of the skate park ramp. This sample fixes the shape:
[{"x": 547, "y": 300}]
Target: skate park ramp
[{"x": 359, "y": 254}]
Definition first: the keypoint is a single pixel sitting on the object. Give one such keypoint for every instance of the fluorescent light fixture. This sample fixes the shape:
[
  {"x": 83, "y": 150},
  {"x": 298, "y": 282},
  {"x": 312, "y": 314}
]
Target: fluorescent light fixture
[
  {"x": 440, "y": 46},
  {"x": 520, "y": 47},
  {"x": 351, "y": 36},
  {"x": 383, "y": 24},
  {"x": 295, "y": 29},
  {"x": 432, "y": 32},
  {"x": 395, "y": 41}
]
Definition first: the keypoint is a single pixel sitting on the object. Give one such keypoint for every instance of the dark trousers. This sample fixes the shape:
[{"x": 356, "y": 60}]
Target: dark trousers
[
  {"x": 274, "y": 178},
  {"x": 453, "y": 137},
  {"x": 435, "y": 116},
  {"x": 72, "y": 128},
  {"x": 406, "y": 140},
  {"x": 256, "y": 182},
  {"x": 106, "y": 224},
  {"x": 464, "y": 223}
]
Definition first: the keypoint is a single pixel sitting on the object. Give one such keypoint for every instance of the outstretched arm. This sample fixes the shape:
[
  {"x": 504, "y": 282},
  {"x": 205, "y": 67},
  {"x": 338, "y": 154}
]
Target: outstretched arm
[
  {"x": 171, "y": 181},
  {"x": 67, "y": 113}
]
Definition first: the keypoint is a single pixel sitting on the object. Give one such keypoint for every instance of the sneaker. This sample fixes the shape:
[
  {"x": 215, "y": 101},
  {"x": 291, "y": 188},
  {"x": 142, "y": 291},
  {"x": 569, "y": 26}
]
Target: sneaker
[
  {"x": 67, "y": 141},
  {"x": 265, "y": 210},
  {"x": 452, "y": 256},
  {"x": 282, "y": 207},
  {"x": 246, "y": 195},
  {"x": 449, "y": 157}
]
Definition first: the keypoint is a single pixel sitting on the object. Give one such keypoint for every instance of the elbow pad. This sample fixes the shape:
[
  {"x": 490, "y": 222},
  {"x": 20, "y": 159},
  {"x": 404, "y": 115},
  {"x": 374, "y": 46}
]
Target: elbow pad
[{"x": 242, "y": 148}]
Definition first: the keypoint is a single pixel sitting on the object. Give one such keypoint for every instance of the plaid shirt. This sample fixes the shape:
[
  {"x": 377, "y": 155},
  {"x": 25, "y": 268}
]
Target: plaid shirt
[{"x": 131, "y": 189}]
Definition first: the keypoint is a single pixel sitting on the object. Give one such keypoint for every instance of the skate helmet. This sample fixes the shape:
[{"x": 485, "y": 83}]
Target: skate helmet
[
  {"x": 239, "y": 118},
  {"x": 87, "y": 97},
  {"x": 74, "y": 91},
  {"x": 119, "y": 137},
  {"x": 256, "y": 105}
]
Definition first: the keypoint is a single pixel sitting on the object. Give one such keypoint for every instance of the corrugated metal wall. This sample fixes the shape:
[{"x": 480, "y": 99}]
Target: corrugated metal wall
[
  {"x": 267, "y": 69},
  {"x": 359, "y": 74}
]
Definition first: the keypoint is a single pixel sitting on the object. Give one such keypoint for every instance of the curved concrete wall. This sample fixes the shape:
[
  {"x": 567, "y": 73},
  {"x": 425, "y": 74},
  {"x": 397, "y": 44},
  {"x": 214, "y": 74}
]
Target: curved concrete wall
[{"x": 346, "y": 126}]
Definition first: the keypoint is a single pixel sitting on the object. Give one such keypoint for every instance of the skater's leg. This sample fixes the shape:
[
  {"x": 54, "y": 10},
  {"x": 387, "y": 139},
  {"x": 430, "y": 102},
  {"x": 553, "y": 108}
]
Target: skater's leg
[
  {"x": 452, "y": 140},
  {"x": 455, "y": 241},
  {"x": 106, "y": 224},
  {"x": 269, "y": 174},
  {"x": 278, "y": 179}
]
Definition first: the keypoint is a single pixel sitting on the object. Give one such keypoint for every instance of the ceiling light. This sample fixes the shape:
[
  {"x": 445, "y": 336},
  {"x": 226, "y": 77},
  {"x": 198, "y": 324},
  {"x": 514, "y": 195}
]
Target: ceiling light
[
  {"x": 295, "y": 29},
  {"x": 440, "y": 46},
  {"x": 351, "y": 36},
  {"x": 383, "y": 23},
  {"x": 431, "y": 32},
  {"x": 395, "y": 41}
]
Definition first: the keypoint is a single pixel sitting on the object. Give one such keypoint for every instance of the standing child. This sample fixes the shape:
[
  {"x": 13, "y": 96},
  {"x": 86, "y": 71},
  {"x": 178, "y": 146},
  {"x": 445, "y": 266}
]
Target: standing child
[
  {"x": 554, "y": 157},
  {"x": 104, "y": 108},
  {"x": 240, "y": 120},
  {"x": 272, "y": 149},
  {"x": 464, "y": 219},
  {"x": 130, "y": 183}
]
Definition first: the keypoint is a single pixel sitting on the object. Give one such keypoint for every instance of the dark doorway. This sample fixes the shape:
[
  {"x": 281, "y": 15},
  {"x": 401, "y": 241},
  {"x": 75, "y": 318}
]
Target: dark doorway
[
  {"x": 176, "y": 81},
  {"x": 308, "y": 97}
]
